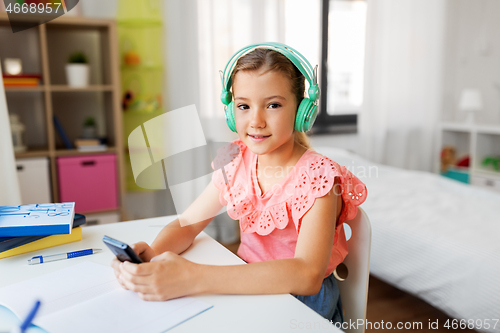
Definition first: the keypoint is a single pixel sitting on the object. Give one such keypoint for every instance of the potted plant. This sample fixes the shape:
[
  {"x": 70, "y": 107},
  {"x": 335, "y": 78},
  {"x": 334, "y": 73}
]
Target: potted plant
[
  {"x": 89, "y": 128},
  {"x": 77, "y": 70}
]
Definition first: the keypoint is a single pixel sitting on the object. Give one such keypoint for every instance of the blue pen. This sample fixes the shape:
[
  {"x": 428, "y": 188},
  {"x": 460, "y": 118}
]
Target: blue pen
[
  {"x": 30, "y": 317},
  {"x": 54, "y": 257}
]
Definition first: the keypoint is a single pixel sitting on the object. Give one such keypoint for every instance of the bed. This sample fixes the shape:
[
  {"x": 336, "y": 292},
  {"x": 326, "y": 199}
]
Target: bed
[{"x": 433, "y": 237}]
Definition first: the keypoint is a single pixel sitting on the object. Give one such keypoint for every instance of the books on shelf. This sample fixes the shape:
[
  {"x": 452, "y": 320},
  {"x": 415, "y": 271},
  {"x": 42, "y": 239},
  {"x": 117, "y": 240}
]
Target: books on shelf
[
  {"x": 62, "y": 133},
  {"x": 87, "y": 142},
  {"x": 93, "y": 148},
  {"x": 85, "y": 145},
  {"x": 21, "y": 80},
  {"x": 36, "y": 220}
]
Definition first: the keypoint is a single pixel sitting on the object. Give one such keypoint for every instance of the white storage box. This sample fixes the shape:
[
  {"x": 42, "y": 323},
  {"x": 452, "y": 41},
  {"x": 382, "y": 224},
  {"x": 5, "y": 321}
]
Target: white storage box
[
  {"x": 101, "y": 218},
  {"x": 34, "y": 180}
]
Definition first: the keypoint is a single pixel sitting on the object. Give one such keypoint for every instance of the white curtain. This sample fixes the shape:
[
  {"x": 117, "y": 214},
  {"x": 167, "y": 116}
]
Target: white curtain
[
  {"x": 403, "y": 82},
  {"x": 9, "y": 186}
]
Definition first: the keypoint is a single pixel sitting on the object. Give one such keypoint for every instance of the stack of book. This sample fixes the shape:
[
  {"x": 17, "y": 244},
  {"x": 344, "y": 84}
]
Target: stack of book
[
  {"x": 90, "y": 145},
  {"x": 27, "y": 228},
  {"x": 21, "y": 80}
]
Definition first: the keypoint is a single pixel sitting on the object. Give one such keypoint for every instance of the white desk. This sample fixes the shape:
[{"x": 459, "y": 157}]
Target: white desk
[{"x": 230, "y": 313}]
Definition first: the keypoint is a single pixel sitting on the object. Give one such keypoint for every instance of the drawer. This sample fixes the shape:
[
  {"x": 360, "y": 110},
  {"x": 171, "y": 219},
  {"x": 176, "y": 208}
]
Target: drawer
[
  {"x": 34, "y": 180},
  {"x": 90, "y": 181},
  {"x": 491, "y": 183}
]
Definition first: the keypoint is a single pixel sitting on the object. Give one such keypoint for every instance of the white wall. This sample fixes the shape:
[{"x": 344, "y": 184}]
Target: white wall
[{"x": 472, "y": 57}]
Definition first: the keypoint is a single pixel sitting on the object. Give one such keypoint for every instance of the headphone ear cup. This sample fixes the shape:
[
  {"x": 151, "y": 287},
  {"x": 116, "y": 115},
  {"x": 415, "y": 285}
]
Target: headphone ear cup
[
  {"x": 306, "y": 115},
  {"x": 229, "y": 111},
  {"x": 311, "y": 117}
]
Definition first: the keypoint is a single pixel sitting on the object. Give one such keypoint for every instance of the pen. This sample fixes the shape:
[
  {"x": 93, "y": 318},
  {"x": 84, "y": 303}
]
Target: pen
[
  {"x": 54, "y": 257},
  {"x": 30, "y": 317}
]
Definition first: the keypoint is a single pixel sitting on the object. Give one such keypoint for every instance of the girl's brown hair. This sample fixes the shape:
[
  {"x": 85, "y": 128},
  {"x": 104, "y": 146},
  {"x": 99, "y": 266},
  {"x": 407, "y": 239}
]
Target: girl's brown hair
[{"x": 272, "y": 60}]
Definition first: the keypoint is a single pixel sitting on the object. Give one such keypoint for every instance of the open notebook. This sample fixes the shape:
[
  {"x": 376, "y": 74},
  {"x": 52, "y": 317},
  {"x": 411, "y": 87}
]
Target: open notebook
[{"x": 87, "y": 298}]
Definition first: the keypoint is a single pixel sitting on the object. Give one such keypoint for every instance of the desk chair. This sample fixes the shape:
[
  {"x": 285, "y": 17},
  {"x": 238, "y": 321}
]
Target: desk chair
[{"x": 354, "y": 284}]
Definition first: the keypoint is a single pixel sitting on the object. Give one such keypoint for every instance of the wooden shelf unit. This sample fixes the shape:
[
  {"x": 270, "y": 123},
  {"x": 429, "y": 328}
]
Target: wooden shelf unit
[{"x": 46, "y": 48}]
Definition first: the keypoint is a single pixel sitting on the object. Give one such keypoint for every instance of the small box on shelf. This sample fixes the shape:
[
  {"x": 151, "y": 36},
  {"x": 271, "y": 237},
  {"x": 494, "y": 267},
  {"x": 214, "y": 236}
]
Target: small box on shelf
[{"x": 90, "y": 181}]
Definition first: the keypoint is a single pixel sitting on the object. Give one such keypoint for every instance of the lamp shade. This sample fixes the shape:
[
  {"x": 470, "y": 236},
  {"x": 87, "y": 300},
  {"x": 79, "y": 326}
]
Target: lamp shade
[{"x": 470, "y": 100}]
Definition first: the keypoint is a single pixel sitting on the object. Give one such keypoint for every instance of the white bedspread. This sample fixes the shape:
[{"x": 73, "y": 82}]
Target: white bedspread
[{"x": 433, "y": 237}]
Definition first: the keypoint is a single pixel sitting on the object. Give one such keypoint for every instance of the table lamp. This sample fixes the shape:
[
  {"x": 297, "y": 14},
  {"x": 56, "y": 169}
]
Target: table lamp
[{"x": 470, "y": 101}]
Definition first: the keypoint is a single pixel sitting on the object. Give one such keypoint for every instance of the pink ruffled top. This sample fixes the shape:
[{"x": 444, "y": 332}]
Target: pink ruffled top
[{"x": 266, "y": 233}]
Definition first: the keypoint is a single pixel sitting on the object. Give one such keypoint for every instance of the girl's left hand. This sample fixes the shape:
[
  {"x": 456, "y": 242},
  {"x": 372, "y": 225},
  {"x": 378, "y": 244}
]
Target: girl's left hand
[{"x": 166, "y": 276}]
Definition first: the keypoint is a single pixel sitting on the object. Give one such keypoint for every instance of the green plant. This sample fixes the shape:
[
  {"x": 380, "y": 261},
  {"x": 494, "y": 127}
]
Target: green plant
[
  {"x": 89, "y": 122},
  {"x": 77, "y": 58}
]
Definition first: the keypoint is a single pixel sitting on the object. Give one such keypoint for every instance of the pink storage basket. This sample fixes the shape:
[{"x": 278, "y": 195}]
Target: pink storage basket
[{"x": 89, "y": 181}]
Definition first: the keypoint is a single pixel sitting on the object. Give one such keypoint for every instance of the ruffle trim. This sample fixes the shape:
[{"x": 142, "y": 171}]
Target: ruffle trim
[{"x": 316, "y": 179}]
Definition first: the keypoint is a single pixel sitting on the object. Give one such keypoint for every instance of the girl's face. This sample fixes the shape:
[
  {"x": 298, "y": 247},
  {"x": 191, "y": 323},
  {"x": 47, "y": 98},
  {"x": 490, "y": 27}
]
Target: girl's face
[{"x": 264, "y": 110}]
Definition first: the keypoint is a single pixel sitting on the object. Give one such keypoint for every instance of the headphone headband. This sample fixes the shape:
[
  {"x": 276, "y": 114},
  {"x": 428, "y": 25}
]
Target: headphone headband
[{"x": 293, "y": 55}]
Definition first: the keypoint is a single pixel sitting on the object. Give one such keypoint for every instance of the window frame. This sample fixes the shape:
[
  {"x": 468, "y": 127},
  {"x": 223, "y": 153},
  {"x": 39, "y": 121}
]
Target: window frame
[{"x": 326, "y": 123}]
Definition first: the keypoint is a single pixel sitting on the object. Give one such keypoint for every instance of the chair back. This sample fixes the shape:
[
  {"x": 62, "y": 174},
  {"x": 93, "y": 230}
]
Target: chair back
[{"x": 354, "y": 286}]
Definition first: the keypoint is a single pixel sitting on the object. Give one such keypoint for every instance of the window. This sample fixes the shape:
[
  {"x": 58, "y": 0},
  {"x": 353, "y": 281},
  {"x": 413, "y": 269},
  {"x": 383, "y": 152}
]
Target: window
[{"x": 342, "y": 58}]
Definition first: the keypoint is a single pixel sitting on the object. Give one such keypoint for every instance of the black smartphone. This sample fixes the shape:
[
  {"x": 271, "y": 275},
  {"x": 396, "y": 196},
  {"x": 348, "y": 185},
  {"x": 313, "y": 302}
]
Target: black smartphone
[{"x": 122, "y": 251}]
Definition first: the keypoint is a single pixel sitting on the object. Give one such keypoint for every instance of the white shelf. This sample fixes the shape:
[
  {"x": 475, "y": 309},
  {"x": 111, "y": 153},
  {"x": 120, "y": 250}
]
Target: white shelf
[
  {"x": 486, "y": 173},
  {"x": 478, "y": 141},
  {"x": 488, "y": 129},
  {"x": 458, "y": 127},
  {"x": 470, "y": 128}
]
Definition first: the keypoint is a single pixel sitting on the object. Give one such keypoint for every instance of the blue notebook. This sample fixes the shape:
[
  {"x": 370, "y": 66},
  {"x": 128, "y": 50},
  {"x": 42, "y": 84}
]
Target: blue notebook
[
  {"x": 8, "y": 243},
  {"x": 37, "y": 220}
]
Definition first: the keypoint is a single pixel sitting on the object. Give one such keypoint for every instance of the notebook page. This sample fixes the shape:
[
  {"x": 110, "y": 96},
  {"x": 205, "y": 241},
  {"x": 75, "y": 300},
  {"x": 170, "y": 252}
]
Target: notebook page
[{"x": 87, "y": 298}]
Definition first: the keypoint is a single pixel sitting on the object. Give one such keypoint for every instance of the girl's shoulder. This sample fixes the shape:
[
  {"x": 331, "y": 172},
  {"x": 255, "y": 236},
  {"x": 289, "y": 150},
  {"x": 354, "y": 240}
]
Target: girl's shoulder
[
  {"x": 317, "y": 176},
  {"x": 321, "y": 179},
  {"x": 319, "y": 169}
]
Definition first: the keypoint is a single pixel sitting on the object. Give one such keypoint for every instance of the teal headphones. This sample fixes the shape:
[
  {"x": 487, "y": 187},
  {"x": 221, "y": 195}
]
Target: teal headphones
[{"x": 308, "y": 107}]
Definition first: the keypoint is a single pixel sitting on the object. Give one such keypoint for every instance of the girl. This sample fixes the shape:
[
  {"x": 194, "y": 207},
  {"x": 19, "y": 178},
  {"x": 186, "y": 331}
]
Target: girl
[{"x": 290, "y": 201}]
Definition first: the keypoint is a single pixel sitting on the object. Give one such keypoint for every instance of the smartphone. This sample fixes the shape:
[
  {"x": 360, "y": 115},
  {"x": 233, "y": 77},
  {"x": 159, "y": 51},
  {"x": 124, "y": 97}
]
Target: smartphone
[{"x": 122, "y": 251}]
